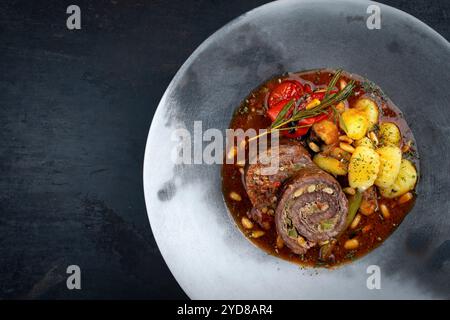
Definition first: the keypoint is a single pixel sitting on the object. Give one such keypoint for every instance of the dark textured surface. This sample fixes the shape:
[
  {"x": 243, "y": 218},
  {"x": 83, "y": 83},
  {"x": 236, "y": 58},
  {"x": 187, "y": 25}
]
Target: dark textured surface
[{"x": 75, "y": 112}]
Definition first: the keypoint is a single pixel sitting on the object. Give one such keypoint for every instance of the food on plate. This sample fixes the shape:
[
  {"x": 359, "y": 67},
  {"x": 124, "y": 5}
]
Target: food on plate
[
  {"x": 404, "y": 182},
  {"x": 326, "y": 130},
  {"x": 370, "y": 110},
  {"x": 389, "y": 133},
  {"x": 365, "y": 141},
  {"x": 363, "y": 168},
  {"x": 355, "y": 123},
  {"x": 390, "y": 159},
  {"x": 347, "y": 168},
  {"x": 262, "y": 188},
  {"x": 330, "y": 164},
  {"x": 312, "y": 210}
]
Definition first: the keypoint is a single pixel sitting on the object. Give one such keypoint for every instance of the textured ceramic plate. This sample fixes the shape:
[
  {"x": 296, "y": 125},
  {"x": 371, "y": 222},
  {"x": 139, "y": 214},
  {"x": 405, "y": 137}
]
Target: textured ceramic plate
[{"x": 205, "y": 251}]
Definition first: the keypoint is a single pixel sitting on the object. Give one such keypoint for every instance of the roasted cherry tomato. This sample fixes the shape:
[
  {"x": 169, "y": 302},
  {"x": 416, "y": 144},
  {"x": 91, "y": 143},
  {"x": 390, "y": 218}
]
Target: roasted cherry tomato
[
  {"x": 273, "y": 111},
  {"x": 286, "y": 90}
]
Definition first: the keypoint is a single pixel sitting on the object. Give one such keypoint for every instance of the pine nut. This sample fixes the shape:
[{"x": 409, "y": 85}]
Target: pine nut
[
  {"x": 350, "y": 191},
  {"x": 346, "y": 147},
  {"x": 328, "y": 190},
  {"x": 342, "y": 84},
  {"x": 314, "y": 147},
  {"x": 257, "y": 234},
  {"x": 299, "y": 192},
  {"x": 280, "y": 242},
  {"x": 235, "y": 196},
  {"x": 405, "y": 198},
  {"x": 301, "y": 241},
  {"x": 355, "y": 221},
  {"x": 346, "y": 139},
  {"x": 373, "y": 137},
  {"x": 311, "y": 188},
  {"x": 385, "y": 211},
  {"x": 406, "y": 148},
  {"x": 351, "y": 244},
  {"x": 246, "y": 223}
]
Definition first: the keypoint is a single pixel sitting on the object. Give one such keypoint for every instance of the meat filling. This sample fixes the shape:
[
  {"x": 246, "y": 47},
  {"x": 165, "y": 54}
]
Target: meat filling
[
  {"x": 262, "y": 189},
  {"x": 312, "y": 209}
]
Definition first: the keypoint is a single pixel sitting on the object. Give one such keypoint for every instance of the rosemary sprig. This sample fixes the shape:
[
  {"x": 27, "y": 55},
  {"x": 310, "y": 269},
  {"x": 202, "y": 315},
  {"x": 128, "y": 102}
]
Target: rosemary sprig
[
  {"x": 283, "y": 112},
  {"x": 294, "y": 127},
  {"x": 297, "y": 115},
  {"x": 338, "y": 119},
  {"x": 333, "y": 82},
  {"x": 321, "y": 108}
]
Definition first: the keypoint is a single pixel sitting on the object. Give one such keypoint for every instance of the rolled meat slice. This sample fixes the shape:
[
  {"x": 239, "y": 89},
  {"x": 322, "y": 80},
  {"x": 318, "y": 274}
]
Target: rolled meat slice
[
  {"x": 312, "y": 209},
  {"x": 262, "y": 188}
]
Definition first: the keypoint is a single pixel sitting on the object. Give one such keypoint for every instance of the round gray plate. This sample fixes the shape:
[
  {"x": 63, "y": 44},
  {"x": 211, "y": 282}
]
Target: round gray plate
[{"x": 203, "y": 248}]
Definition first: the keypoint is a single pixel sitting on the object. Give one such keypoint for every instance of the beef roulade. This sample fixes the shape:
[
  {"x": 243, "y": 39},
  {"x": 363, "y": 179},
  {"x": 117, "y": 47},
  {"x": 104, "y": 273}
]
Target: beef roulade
[
  {"x": 262, "y": 189},
  {"x": 312, "y": 209}
]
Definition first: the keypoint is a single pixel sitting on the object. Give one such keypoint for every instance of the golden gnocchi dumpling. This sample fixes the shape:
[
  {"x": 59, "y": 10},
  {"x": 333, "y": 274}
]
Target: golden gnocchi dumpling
[
  {"x": 390, "y": 133},
  {"x": 390, "y": 159},
  {"x": 354, "y": 123},
  {"x": 369, "y": 108},
  {"x": 364, "y": 142},
  {"x": 405, "y": 181},
  {"x": 363, "y": 168}
]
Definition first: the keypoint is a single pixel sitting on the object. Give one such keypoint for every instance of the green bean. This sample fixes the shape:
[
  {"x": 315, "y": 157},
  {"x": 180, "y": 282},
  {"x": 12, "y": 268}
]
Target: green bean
[{"x": 353, "y": 205}]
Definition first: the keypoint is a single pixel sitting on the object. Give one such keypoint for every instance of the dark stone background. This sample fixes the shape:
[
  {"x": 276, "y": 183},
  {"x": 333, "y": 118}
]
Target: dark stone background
[{"x": 75, "y": 110}]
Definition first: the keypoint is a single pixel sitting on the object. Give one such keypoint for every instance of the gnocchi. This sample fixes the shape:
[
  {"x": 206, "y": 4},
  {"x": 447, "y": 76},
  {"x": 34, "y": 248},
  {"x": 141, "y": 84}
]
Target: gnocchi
[
  {"x": 369, "y": 108},
  {"x": 389, "y": 133},
  {"x": 364, "y": 142},
  {"x": 390, "y": 159},
  {"x": 404, "y": 182},
  {"x": 354, "y": 123},
  {"x": 363, "y": 168}
]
